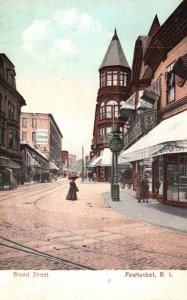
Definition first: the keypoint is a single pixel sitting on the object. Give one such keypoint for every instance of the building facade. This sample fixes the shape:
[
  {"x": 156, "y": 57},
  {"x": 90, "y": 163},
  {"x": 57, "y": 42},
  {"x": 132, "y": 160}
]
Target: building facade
[
  {"x": 156, "y": 142},
  {"x": 65, "y": 162},
  {"x": 35, "y": 164},
  {"x": 41, "y": 131},
  {"x": 10, "y": 109},
  {"x": 114, "y": 81},
  {"x": 72, "y": 162}
]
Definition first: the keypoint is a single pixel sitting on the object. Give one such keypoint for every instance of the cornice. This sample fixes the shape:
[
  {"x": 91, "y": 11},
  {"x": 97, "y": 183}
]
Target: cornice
[{"x": 12, "y": 91}]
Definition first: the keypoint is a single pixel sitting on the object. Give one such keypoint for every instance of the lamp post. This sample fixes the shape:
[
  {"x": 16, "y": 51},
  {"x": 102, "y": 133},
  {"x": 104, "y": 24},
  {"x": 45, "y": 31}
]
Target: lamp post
[{"x": 115, "y": 144}]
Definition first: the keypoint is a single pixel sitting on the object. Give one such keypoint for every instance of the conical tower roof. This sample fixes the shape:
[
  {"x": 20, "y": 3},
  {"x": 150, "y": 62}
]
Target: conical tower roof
[{"x": 114, "y": 55}]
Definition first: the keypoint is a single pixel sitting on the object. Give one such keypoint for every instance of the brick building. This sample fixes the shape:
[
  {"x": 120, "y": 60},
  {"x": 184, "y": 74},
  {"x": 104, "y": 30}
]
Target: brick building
[
  {"x": 41, "y": 131},
  {"x": 65, "y": 162},
  {"x": 114, "y": 75},
  {"x": 10, "y": 109},
  {"x": 156, "y": 142},
  {"x": 72, "y": 162}
]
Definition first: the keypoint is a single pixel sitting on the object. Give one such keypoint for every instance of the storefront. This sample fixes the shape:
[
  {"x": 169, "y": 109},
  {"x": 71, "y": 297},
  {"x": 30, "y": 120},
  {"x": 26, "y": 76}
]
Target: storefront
[
  {"x": 101, "y": 165},
  {"x": 161, "y": 156}
]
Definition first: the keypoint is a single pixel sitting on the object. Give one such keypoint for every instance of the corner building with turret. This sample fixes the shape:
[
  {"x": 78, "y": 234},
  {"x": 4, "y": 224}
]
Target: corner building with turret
[{"x": 114, "y": 78}]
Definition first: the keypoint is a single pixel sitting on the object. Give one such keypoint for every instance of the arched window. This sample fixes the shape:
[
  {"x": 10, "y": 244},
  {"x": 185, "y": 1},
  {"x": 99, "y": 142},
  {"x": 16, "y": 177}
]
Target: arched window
[
  {"x": 102, "y": 111},
  {"x": 112, "y": 109}
]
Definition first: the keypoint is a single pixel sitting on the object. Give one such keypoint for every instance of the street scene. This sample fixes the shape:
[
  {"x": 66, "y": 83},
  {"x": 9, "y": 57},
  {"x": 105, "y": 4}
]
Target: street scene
[
  {"x": 41, "y": 230},
  {"x": 93, "y": 146}
]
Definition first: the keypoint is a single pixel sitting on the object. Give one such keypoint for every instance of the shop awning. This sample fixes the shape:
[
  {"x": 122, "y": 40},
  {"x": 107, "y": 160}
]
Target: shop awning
[
  {"x": 53, "y": 166},
  {"x": 129, "y": 103},
  {"x": 32, "y": 162},
  {"x": 170, "y": 136},
  {"x": 8, "y": 163},
  {"x": 106, "y": 158},
  {"x": 14, "y": 165},
  {"x": 96, "y": 162}
]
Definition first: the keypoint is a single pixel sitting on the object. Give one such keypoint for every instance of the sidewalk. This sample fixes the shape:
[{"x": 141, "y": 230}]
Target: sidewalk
[{"x": 152, "y": 212}]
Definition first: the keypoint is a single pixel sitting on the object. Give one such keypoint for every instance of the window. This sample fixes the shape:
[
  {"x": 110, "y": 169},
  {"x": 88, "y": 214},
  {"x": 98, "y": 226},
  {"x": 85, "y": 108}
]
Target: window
[
  {"x": 102, "y": 111},
  {"x": 10, "y": 139},
  {"x": 102, "y": 135},
  {"x": 157, "y": 87},
  {"x": 16, "y": 140},
  {"x": 108, "y": 130},
  {"x": 109, "y": 78},
  {"x": 2, "y": 135},
  {"x": 123, "y": 78},
  {"x": 115, "y": 78},
  {"x": 34, "y": 137},
  {"x": 177, "y": 178},
  {"x": 24, "y": 122},
  {"x": 11, "y": 110},
  {"x": 24, "y": 136},
  {"x": 112, "y": 78},
  {"x": 170, "y": 84},
  {"x": 112, "y": 109},
  {"x": 1, "y": 101},
  {"x": 33, "y": 123},
  {"x": 103, "y": 79},
  {"x": 17, "y": 114}
]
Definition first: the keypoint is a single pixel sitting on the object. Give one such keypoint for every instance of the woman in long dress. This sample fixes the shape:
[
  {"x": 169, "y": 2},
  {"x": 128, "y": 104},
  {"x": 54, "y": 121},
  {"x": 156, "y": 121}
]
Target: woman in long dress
[{"x": 72, "y": 193}]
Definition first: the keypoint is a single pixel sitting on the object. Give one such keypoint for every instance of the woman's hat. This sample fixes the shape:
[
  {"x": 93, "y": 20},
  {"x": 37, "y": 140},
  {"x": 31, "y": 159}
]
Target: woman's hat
[{"x": 73, "y": 177}]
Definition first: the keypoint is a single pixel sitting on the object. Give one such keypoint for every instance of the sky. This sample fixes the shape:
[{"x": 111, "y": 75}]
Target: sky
[{"x": 57, "y": 47}]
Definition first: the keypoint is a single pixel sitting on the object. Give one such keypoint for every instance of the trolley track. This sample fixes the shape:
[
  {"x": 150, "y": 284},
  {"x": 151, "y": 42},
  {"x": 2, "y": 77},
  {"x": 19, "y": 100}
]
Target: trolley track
[
  {"x": 28, "y": 250},
  {"x": 42, "y": 236},
  {"x": 17, "y": 193},
  {"x": 71, "y": 245}
]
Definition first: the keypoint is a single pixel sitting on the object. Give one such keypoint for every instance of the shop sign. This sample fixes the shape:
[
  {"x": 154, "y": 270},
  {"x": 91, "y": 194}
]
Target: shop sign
[
  {"x": 143, "y": 124},
  {"x": 42, "y": 136}
]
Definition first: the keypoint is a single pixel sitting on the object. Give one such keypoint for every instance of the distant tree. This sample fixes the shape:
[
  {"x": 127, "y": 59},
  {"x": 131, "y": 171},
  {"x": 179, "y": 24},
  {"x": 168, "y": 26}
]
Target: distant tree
[{"x": 79, "y": 165}]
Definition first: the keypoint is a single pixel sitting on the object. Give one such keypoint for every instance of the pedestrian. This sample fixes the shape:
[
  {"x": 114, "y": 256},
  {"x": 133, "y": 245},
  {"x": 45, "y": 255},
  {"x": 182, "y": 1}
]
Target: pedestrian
[
  {"x": 94, "y": 177},
  {"x": 73, "y": 189},
  {"x": 145, "y": 190},
  {"x": 89, "y": 175}
]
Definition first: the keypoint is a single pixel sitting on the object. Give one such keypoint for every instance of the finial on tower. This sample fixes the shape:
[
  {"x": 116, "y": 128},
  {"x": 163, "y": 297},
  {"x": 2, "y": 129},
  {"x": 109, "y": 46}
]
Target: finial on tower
[{"x": 115, "y": 37}]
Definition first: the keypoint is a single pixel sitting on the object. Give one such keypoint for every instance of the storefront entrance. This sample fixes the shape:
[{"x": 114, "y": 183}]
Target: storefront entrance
[{"x": 176, "y": 187}]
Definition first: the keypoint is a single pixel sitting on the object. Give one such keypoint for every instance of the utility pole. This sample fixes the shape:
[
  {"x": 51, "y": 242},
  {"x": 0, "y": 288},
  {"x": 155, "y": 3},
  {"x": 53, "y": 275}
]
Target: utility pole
[{"x": 82, "y": 163}]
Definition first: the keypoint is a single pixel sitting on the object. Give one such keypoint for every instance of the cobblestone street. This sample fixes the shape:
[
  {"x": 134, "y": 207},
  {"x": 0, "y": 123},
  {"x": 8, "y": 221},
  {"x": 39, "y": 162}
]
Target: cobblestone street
[{"x": 40, "y": 230}]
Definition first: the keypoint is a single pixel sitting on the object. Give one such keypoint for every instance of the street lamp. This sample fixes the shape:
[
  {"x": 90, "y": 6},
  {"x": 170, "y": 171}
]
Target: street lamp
[{"x": 115, "y": 144}]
